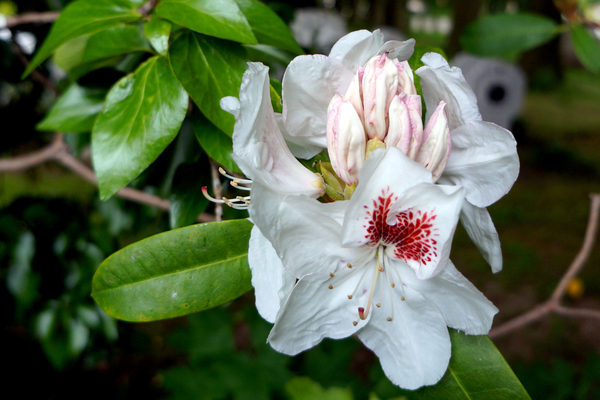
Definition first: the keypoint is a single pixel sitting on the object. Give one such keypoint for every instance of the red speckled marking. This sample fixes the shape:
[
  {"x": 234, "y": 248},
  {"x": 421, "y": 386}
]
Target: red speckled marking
[{"x": 411, "y": 237}]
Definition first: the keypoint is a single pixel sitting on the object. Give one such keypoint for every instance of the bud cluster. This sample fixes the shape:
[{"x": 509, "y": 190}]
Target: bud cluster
[{"x": 381, "y": 108}]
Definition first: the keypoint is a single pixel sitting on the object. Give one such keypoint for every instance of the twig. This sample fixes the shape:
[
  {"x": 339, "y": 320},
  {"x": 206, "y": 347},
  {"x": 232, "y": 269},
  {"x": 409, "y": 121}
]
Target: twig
[
  {"x": 58, "y": 151},
  {"x": 31, "y": 18},
  {"x": 217, "y": 189},
  {"x": 552, "y": 305}
]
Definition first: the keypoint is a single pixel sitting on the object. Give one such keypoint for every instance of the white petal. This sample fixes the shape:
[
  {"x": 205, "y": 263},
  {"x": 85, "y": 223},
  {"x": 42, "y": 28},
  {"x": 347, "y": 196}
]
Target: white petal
[
  {"x": 413, "y": 348},
  {"x": 400, "y": 50},
  {"x": 231, "y": 105},
  {"x": 308, "y": 236},
  {"x": 314, "y": 312},
  {"x": 308, "y": 85},
  {"x": 426, "y": 216},
  {"x": 258, "y": 145},
  {"x": 481, "y": 230},
  {"x": 484, "y": 160},
  {"x": 272, "y": 284},
  {"x": 461, "y": 304},
  {"x": 300, "y": 146},
  {"x": 385, "y": 170},
  {"x": 440, "y": 82},
  {"x": 356, "y": 48}
]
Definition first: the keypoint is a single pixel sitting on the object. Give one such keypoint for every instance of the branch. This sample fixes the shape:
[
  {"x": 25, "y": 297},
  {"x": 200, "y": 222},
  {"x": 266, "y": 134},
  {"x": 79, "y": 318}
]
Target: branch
[
  {"x": 58, "y": 151},
  {"x": 552, "y": 305},
  {"x": 31, "y": 18},
  {"x": 217, "y": 189}
]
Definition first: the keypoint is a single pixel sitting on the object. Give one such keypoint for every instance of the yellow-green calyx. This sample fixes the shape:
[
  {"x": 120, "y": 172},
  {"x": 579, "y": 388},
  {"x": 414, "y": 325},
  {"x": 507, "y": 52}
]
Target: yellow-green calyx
[{"x": 335, "y": 188}]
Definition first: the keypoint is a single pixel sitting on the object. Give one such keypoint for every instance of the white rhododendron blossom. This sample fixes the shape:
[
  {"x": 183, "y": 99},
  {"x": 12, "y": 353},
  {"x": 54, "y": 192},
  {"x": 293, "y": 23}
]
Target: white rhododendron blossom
[{"x": 362, "y": 247}]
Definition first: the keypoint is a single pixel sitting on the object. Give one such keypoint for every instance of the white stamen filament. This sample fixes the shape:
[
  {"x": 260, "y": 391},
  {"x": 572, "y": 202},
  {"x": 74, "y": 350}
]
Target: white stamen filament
[
  {"x": 233, "y": 178},
  {"x": 363, "y": 314}
]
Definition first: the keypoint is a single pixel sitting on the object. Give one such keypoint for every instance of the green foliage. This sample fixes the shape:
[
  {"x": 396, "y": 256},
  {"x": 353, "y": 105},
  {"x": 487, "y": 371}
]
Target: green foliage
[
  {"x": 587, "y": 48},
  {"x": 20, "y": 281},
  {"x": 176, "y": 273},
  {"x": 209, "y": 69},
  {"x": 80, "y": 18},
  {"x": 505, "y": 34},
  {"x": 75, "y": 111},
  {"x": 187, "y": 200},
  {"x": 157, "y": 31},
  {"x": 268, "y": 28},
  {"x": 142, "y": 115},
  {"x": 222, "y": 19},
  {"x": 303, "y": 388},
  {"x": 86, "y": 53},
  {"x": 214, "y": 142},
  {"x": 477, "y": 371}
]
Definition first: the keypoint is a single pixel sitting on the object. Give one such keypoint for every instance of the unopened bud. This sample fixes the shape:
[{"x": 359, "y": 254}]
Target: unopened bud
[
  {"x": 354, "y": 93},
  {"x": 406, "y": 81},
  {"x": 380, "y": 85},
  {"x": 435, "y": 150},
  {"x": 346, "y": 140}
]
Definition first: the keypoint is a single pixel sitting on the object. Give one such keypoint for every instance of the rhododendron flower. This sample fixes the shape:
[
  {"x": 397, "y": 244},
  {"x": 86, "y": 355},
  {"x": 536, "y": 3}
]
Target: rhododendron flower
[
  {"x": 376, "y": 265},
  {"x": 375, "y": 78}
]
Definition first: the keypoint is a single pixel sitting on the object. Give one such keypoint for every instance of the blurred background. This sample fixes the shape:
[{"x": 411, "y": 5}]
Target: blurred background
[{"x": 54, "y": 232}]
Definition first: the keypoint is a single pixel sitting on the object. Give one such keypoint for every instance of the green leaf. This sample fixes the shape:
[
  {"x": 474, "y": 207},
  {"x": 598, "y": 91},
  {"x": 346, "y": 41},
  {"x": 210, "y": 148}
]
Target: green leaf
[
  {"x": 267, "y": 26},
  {"x": 209, "y": 69},
  {"x": 158, "y": 31},
  {"x": 187, "y": 200},
  {"x": 176, "y": 273},
  {"x": 75, "y": 110},
  {"x": 477, "y": 371},
  {"x": 109, "y": 43},
  {"x": 586, "y": 47},
  {"x": 214, "y": 142},
  {"x": 222, "y": 19},
  {"x": 503, "y": 34},
  {"x": 142, "y": 115},
  {"x": 81, "y": 18},
  {"x": 304, "y": 388}
]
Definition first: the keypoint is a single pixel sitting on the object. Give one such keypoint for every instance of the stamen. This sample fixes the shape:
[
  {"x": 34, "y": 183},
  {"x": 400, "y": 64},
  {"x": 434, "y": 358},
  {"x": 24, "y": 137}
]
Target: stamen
[
  {"x": 237, "y": 186},
  {"x": 331, "y": 274},
  {"x": 391, "y": 300},
  {"x": 233, "y": 178},
  {"x": 354, "y": 323},
  {"x": 358, "y": 284},
  {"x": 330, "y": 286},
  {"x": 233, "y": 203},
  {"x": 365, "y": 313},
  {"x": 349, "y": 265},
  {"x": 402, "y": 286}
]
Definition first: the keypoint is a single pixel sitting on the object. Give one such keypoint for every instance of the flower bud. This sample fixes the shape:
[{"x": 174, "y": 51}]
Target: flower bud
[
  {"x": 354, "y": 93},
  {"x": 346, "y": 140},
  {"x": 380, "y": 85},
  {"x": 435, "y": 150},
  {"x": 399, "y": 133},
  {"x": 406, "y": 81},
  {"x": 415, "y": 110}
]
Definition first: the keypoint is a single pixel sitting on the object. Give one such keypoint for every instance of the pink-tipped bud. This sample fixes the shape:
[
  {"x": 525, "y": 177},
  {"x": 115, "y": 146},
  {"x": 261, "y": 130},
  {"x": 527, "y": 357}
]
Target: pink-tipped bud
[
  {"x": 354, "y": 93},
  {"x": 415, "y": 110},
  {"x": 435, "y": 150},
  {"x": 346, "y": 141},
  {"x": 406, "y": 83},
  {"x": 399, "y": 132},
  {"x": 380, "y": 85}
]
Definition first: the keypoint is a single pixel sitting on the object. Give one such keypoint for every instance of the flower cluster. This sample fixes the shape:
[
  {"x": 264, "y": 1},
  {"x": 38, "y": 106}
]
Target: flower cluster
[{"x": 376, "y": 265}]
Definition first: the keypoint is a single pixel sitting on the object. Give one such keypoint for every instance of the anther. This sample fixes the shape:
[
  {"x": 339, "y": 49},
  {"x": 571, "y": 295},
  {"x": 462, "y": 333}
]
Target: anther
[
  {"x": 349, "y": 297},
  {"x": 402, "y": 298},
  {"x": 331, "y": 274},
  {"x": 378, "y": 305},
  {"x": 381, "y": 269},
  {"x": 389, "y": 319},
  {"x": 354, "y": 323},
  {"x": 393, "y": 284},
  {"x": 349, "y": 265},
  {"x": 330, "y": 286}
]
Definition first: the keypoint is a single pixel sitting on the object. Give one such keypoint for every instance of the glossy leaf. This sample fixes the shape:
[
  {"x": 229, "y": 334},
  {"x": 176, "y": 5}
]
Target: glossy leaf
[
  {"x": 75, "y": 111},
  {"x": 503, "y": 34},
  {"x": 176, "y": 273},
  {"x": 587, "y": 48},
  {"x": 157, "y": 31},
  {"x": 477, "y": 371},
  {"x": 209, "y": 69},
  {"x": 222, "y": 19},
  {"x": 142, "y": 115},
  {"x": 267, "y": 26},
  {"x": 108, "y": 43},
  {"x": 80, "y": 18},
  {"x": 214, "y": 142},
  {"x": 187, "y": 200}
]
